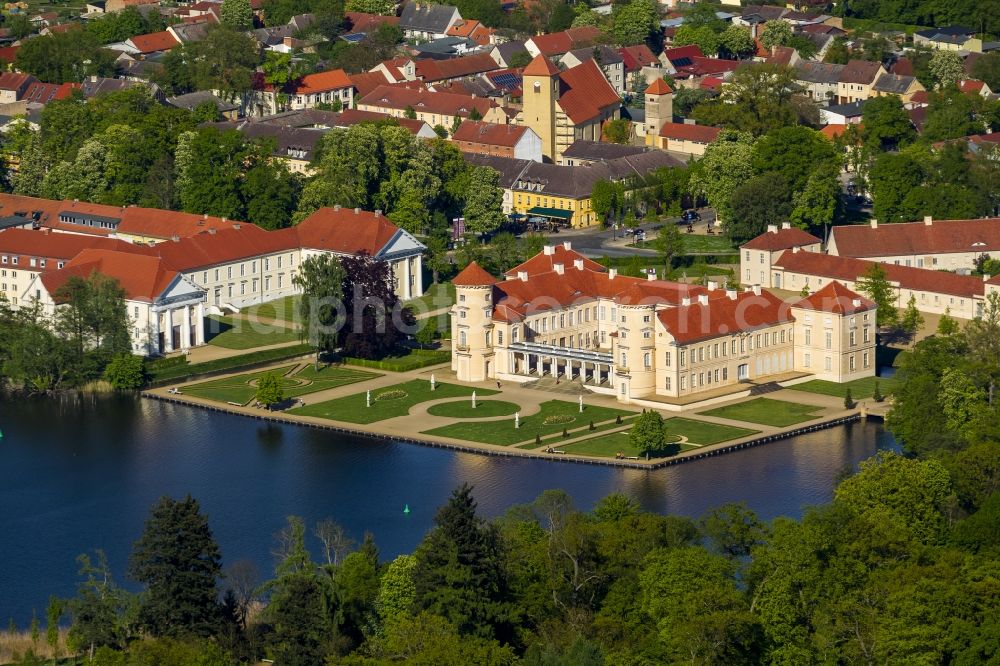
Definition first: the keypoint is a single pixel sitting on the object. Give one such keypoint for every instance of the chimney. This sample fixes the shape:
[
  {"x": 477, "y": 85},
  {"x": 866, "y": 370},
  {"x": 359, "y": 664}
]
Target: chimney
[
  {"x": 786, "y": 225},
  {"x": 986, "y": 277},
  {"x": 357, "y": 211},
  {"x": 578, "y": 264},
  {"x": 204, "y": 216},
  {"x": 712, "y": 285},
  {"x": 756, "y": 290},
  {"x": 856, "y": 302},
  {"x": 567, "y": 245},
  {"x": 549, "y": 249},
  {"x": 651, "y": 275},
  {"x": 612, "y": 273},
  {"x": 772, "y": 228},
  {"x": 558, "y": 268},
  {"x": 796, "y": 249},
  {"x": 237, "y": 226},
  {"x": 175, "y": 239},
  {"x": 703, "y": 299},
  {"x": 522, "y": 276},
  {"x": 211, "y": 230},
  {"x": 731, "y": 294},
  {"x": 336, "y": 207},
  {"x": 378, "y": 212},
  {"x": 874, "y": 223},
  {"x": 225, "y": 219},
  {"x": 928, "y": 220},
  {"x": 686, "y": 301}
]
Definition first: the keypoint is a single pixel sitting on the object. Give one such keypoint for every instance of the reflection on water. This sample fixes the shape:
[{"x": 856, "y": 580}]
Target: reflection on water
[{"x": 80, "y": 473}]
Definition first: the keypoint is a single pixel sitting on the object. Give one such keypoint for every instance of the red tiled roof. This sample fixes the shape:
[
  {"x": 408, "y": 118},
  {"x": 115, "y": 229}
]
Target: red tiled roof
[
  {"x": 13, "y": 81},
  {"x": 543, "y": 263},
  {"x": 449, "y": 104},
  {"x": 701, "y": 66},
  {"x": 636, "y": 57},
  {"x": 540, "y": 66},
  {"x": 558, "y": 43},
  {"x": 153, "y": 42},
  {"x": 659, "y": 87},
  {"x": 689, "y": 51},
  {"x": 902, "y": 67},
  {"x": 224, "y": 245},
  {"x": 781, "y": 55},
  {"x": 43, "y": 93},
  {"x": 45, "y": 244},
  {"x": 783, "y": 239},
  {"x": 970, "y": 86},
  {"x": 722, "y": 315},
  {"x": 584, "y": 92},
  {"x": 491, "y": 134},
  {"x": 917, "y": 238},
  {"x": 9, "y": 53},
  {"x": 848, "y": 269},
  {"x": 143, "y": 277},
  {"x": 345, "y": 231},
  {"x": 835, "y": 298},
  {"x": 711, "y": 83},
  {"x": 474, "y": 275},
  {"x": 365, "y": 82},
  {"x": 685, "y": 132},
  {"x": 451, "y": 68},
  {"x": 349, "y": 117},
  {"x": 921, "y": 97},
  {"x": 162, "y": 224},
  {"x": 334, "y": 79},
  {"x": 361, "y": 22}
]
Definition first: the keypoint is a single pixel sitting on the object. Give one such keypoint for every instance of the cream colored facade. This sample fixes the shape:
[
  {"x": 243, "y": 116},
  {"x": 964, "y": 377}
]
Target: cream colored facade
[
  {"x": 835, "y": 347},
  {"x": 756, "y": 262},
  {"x": 617, "y": 343},
  {"x": 446, "y": 120}
]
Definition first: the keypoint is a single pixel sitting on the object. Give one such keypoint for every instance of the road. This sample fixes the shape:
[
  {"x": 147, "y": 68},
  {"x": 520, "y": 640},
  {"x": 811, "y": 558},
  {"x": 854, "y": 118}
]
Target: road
[{"x": 595, "y": 242}]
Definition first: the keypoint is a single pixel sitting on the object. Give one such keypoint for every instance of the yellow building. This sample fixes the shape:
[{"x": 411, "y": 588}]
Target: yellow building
[{"x": 565, "y": 106}]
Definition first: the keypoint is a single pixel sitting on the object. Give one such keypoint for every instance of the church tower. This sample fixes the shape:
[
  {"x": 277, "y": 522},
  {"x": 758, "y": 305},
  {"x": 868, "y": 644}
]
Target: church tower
[
  {"x": 541, "y": 97},
  {"x": 659, "y": 109}
]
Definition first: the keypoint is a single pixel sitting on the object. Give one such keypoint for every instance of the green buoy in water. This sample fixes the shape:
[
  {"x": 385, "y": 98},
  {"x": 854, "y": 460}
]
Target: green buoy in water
[{"x": 406, "y": 508}]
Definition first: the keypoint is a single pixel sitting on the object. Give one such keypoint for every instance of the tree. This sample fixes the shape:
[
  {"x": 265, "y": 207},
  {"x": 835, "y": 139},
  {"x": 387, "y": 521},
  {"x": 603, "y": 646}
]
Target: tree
[
  {"x": 733, "y": 529},
  {"x": 795, "y": 153},
  {"x": 892, "y": 178},
  {"x": 53, "y": 612},
  {"x": 92, "y": 316},
  {"x": 237, "y": 14},
  {"x": 269, "y": 389},
  {"x": 647, "y": 433},
  {"x": 758, "y": 98},
  {"x": 65, "y": 57},
  {"x": 946, "y": 69},
  {"x": 952, "y": 114},
  {"x": 726, "y": 164},
  {"x": 912, "y": 319},
  {"x": 837, "y": 53},
  {"x": 98, "y": 611},
  {"x": 817, "y": 205},
  {"x": 876, "y": 286},
  {"x": 670, "y": 244},
  {"x": 947, "y": 325},
  {"x": 178, "y": 561},
  {"x": 757, "y": 204},
  {"x": 321, "y": 313},
  {"x": 776, "y": 33},
  {"x": 126, "y": 372},
  {"x": 886, "y": 123},
  {"x": 736, "y": 42},
  {"x": 702, "y": 36},
  {"x": 459, "y": 573},
  {"x": 483, "y": 201},
  {"x": 848, "y": 399},
  {"x": 381, "y": 7},
  {"x": 635, "y": 22},
  {"x": 987, "y": 69},
  {"x": 606, "y": 199},
  {"x": 617, "y": 131},
  {"x": 962, "y": 401},
  {"x": 374, "y": 319},
  {"x": 504, "y": 252}
]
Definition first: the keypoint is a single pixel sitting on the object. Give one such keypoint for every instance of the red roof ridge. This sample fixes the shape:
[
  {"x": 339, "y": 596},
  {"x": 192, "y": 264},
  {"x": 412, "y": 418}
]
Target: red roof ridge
[
  {"x": 659, "y": 87},
  {"x": 540, "y": 66},
  {"x": 474, "y": 275},
  {"x": 835, "y": 298}
]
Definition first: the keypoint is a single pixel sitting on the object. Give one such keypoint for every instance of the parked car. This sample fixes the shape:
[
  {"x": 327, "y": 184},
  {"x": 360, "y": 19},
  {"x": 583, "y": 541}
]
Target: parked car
[{"x": 690, "y": 216}]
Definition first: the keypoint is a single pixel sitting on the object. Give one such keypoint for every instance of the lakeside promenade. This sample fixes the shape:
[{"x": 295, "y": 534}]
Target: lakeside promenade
[{"x": 412, "y": 427}]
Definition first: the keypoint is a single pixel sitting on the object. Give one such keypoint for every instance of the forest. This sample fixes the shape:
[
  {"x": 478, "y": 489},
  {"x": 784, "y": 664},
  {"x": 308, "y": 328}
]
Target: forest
[{"x": 902, "y": 566}]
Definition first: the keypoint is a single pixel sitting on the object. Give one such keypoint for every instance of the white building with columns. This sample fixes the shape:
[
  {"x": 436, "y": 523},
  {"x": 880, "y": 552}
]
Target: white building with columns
[{"x": 166, "y": 312}]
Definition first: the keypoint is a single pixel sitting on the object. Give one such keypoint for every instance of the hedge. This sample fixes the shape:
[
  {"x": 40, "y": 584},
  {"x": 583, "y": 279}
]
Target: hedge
[
  {"x": 413, "y": 361},
  {"x": 175, "y": 371}
]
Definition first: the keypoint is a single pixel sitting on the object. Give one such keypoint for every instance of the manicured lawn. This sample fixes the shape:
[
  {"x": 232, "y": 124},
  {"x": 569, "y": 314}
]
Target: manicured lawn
[
  {"x": 437, "y": 296},
  {"x": 580, "y": 431},
  {"x": 860, "y": 388},
  {"x": 704, "y": 433},
  {"x": 697, "y": 244},
  {"x": 353, "y": 409},
  {"x": 240, "y": 334},
  {"x": 558, "y": 413},
  {"x": 778, "y": 413},
  {"x": 239, "y": 388},
  {"x": 462, "y": 409},
  {"x": 608, "y": 446},
  {"x": 280, "y": 308}
]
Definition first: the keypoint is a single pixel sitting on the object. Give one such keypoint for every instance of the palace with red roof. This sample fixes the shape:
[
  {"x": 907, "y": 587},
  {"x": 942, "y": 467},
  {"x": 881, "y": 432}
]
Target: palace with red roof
[{"x": 566, "y": 316}]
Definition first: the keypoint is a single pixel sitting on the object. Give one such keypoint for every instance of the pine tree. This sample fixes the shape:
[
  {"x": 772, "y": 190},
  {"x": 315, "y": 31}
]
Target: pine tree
[{"x": 178, "y": 561}]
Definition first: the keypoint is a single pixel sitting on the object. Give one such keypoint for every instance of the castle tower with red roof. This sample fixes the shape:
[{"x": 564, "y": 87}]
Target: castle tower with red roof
[
  {"x": 472, "y": 325},
  {"x": 659, "y": 109}
]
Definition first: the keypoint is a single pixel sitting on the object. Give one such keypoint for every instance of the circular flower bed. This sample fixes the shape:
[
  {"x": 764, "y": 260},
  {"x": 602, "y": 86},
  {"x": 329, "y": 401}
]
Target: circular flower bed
[
  {"x": 391, "y": 395},
  {"x": 558, "y": 418}
]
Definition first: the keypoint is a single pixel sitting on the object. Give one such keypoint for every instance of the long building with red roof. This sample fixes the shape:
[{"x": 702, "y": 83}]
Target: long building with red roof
[{"x": 564, "y": 316}]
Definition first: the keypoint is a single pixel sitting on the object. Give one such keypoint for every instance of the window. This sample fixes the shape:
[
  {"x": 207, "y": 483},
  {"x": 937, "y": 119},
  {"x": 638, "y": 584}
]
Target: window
[
  {"x": 701, "y": 379},
  {"x": 279, "y": 261},
  {"x": 667, "y": 359},
  {"x": 854, "y": 336},
  {"x": 243, "y": 288},
  {"x": 829, "y": 339},
  {"x": 682, "y": 383},
  {"x": 761, "y": 257},
  {"x": 624, "y": 360},
  {"x": 725, "y": 374},
  {"x": 748, "y": 255},
  {"x": 666, "y": 383},
  {"x": 864, "y": 359},
  {"x": 229, "y": 272},
  {"x": 461, "y": 298},
  {"x": 135, "y": 312},
  {"x": 850, "y": 362},
  {"x": 782, "y": 336},
  {"x": 462, "y": 339},
  {"x": 716, "y": 376},
  {"x": 828, "y": 365},
  {"x": 645, "y": 319},
  {"x": 647, "y": 360},
  {"x": 461, "y": 314},
  {"x": 701, "y": 354},
  {"x": 243, "y": 270},
  {"x": 866, "y": 334},
  {"x": 647, "y": 334},
  {"x": 267, "y": 263},
  {"x": 807, "y": 360},
  {"x": 808, "y": 336},
  {"x": 680, "y": 357}
]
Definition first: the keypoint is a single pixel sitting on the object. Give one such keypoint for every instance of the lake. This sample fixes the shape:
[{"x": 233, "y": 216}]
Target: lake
[{"x": 80, "y": 473}]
